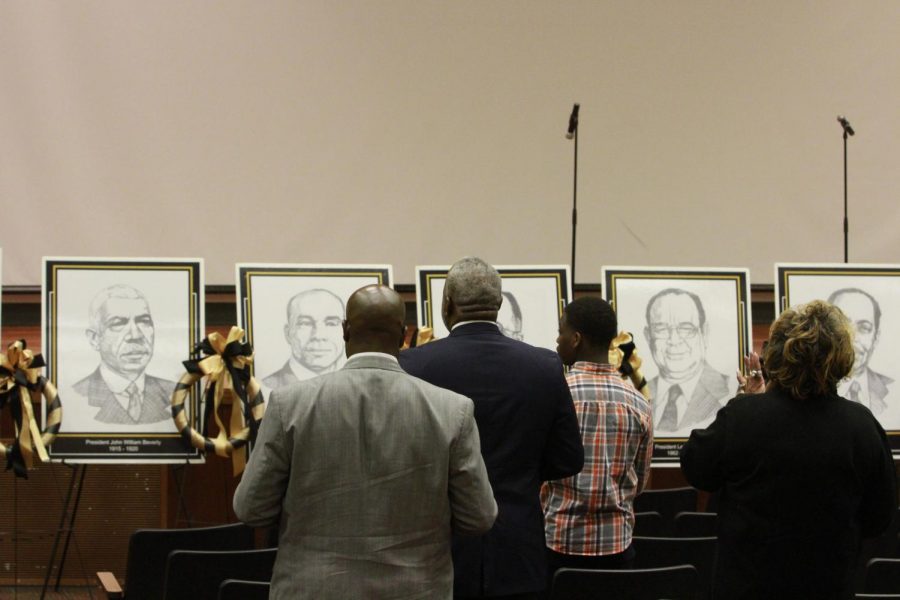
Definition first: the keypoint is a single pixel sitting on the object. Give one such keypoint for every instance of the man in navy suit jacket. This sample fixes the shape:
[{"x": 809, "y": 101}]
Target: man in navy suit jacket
[{"x": 527, "y": 423}]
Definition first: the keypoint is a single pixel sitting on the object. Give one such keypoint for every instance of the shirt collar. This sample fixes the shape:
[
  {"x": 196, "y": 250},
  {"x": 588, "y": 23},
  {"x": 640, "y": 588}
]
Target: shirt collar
[
  {"x": 593, "y": 367},
  {"x": 461, "y": 323},
  {"x": 378, "y": 354},
  {"x": 118, "y": 383}
]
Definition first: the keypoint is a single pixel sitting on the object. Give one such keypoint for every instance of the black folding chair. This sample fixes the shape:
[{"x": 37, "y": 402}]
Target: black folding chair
[
  {"x": 877, "y": 597},
  {"x": 197, "y": 574},
  {"x": 672, "y": 583},
  {"x": 699, "y": 552},
  {"x": 237, "y": 589},
  {"x": 648, "y": 524},
  {"x": 145, "y": 566},
  {"x": 882, "y": 576},
  {"x": 886, "y": 545},
  {"x": 668, "y": 503},
  {"x": 695, "y": 524}
]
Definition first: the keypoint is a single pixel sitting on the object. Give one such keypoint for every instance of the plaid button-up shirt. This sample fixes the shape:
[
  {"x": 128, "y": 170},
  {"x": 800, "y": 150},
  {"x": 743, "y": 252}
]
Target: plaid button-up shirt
[{"x": 592, "y": 513}]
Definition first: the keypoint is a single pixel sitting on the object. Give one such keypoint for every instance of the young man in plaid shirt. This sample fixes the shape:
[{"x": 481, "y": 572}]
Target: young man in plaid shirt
[{"x": 589, "y": 517}]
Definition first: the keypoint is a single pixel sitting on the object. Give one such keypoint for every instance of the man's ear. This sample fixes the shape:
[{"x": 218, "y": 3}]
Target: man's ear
[
  {"x": 93, "y": 339},
  {"x": 576, "y": 340},
  {"x": 647, "y": 335},
  {"x": 704, "y": 331},
  {"x": 345, "y": 325},
  {"x": 287, "y": 333},
  {"x": 447, "y": 310}
]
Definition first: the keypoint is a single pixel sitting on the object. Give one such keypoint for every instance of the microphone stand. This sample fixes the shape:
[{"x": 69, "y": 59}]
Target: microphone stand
[
  {"x": 848, "y": 131},
  {"x": 846, "y": 222},
  {"x": 574, "y": 204}
]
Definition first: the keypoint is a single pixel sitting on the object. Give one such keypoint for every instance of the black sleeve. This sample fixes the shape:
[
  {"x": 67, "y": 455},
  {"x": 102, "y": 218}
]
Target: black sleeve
[
  {"x": 702, "y": 455},
  {"x": 879, "y": 501}
]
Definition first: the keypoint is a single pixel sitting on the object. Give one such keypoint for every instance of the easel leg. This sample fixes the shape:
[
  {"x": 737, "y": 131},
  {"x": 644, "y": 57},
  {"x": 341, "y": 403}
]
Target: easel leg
[
  {"x": 62, "y": 561},
  {"x": 182, "y": 505},
  {"x": 62, "y": 523}
]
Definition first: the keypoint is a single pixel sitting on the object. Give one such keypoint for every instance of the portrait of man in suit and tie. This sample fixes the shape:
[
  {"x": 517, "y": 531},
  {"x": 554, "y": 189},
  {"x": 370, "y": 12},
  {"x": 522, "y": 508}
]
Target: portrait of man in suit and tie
[
  {"x": 688, "y": 391},
  {"x": 863, "y": 385},
  {"x": 120, "y": 391},
  {"x": 313, "y": 332}
]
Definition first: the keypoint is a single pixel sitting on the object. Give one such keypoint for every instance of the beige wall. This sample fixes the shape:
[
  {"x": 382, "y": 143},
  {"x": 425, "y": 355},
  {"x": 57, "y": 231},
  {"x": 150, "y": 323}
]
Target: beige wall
[{"x": 413, "y": 132}]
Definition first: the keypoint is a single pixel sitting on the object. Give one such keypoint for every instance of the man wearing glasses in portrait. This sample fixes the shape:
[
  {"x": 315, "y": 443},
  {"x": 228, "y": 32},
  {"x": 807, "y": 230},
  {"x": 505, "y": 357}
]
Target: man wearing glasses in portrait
[{"x": 688, "y": 391}]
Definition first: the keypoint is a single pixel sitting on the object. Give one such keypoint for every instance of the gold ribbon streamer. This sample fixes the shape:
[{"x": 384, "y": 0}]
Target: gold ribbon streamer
[{"x": 19, "y": 359}]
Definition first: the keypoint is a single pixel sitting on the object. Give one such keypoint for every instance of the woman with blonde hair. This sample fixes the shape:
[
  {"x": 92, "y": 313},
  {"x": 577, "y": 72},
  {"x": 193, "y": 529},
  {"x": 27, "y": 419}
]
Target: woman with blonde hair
[{"x": 803, "y": 473}]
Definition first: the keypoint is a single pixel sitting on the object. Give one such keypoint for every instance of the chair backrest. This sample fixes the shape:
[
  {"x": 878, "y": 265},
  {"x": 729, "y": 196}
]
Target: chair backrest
[
  {"x": 673, "y": 583},
  {"x": 877, "y": 596},
  {"x": 882, "y": 576},
  {"x": 145, "y": 569},
  {"x": 649, "y": 524},
  {"x": 699, "y": 552},
  {"x": 197, "y": 574},
  {"x": 695, "y": 524},
  {"x": 886, "y": 545},
  {"x": 238, "y": 589},
  {"x": 668, "y": 503}
]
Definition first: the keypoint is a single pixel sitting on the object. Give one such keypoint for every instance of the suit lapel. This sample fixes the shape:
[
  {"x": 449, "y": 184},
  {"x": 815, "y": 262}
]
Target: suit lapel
[{"x": 705, "y": 400}]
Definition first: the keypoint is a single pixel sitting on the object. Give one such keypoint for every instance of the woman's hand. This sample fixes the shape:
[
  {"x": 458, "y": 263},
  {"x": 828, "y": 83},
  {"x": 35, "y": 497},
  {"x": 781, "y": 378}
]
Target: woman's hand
[{"x": 753, "y": 383}]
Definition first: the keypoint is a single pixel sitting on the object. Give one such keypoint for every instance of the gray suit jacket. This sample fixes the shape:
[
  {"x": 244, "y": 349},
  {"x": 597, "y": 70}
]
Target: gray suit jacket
[
  {"x": 367, "y": 470},
  {"x": 709, "y": 396},
  {"x": 155, "y": 405}
]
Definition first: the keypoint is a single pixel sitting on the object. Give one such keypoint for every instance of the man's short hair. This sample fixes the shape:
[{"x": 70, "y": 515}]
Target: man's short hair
[
  {"x": 701, "y": 314},
  {"x": 309, "y": 293},
  {"x": 593, "y": 318},
  {"x": 119, "y": 290},
  {"x": 474, "y": 284},
  {"x": 844, "y": 291}
]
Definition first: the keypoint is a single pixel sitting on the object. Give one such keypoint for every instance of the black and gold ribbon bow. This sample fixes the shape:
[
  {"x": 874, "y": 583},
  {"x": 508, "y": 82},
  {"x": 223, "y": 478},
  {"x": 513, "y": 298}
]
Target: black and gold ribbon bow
[
  {"x": 226, "y": 366},
  {"x": 623, "y": 354},
  {"x": 20, "y": 379}
]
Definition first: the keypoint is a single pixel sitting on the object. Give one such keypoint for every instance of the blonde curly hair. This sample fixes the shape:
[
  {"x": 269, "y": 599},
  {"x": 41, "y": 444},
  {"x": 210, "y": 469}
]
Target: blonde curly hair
[{"x": 810, "y": 350}]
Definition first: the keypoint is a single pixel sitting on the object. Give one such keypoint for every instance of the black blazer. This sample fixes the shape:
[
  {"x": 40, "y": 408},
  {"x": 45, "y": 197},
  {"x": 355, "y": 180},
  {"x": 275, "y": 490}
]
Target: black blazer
[
  {"x": 529, "y": 434},
  {"x": 801, "y": 482}
]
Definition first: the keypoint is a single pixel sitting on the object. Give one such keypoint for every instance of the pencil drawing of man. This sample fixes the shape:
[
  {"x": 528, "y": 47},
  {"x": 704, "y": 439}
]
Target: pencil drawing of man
[
  {"x": 688, "y": 391},
  {"x": 315, "y": 335},
  {"x": 864, "y": 385},
  {"x": 509, "y": 317},
  {"x": 121, "y": 330}
]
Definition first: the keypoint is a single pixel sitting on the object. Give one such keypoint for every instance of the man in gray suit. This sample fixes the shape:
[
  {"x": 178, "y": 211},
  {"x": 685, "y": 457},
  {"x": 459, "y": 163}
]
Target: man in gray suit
[
  {"x": 122, "y": 332},
  {"x": 688, "y": 392},
  {"x": 367, "y": 471},
  {"x": 863, "y": 385}
]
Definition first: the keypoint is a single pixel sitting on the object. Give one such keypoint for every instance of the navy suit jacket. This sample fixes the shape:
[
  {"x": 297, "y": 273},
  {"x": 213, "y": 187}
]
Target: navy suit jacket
[{"x": 529, "y": 434}]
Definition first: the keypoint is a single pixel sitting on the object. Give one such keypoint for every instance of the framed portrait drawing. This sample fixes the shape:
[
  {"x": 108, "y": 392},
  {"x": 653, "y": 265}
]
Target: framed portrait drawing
[
  {"x": 115, "y": 333},
  {"x": 692, "y": 328},
  {"x": 293, "y": 315},
  {"x": 869, "y": 295},
  {"x": 533, "y": 300}
]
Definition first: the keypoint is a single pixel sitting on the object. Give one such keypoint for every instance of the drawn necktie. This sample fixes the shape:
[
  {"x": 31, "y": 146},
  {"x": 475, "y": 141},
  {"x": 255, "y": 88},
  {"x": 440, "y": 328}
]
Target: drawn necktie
[
  {"x": 134, "y": 402},
  {"x": 669, "y": 420}
]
